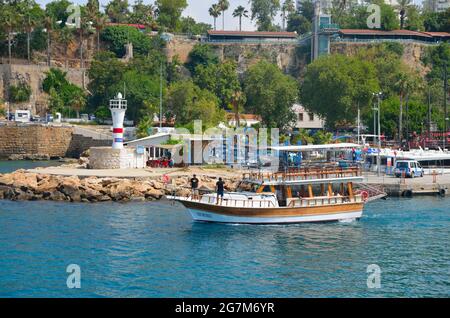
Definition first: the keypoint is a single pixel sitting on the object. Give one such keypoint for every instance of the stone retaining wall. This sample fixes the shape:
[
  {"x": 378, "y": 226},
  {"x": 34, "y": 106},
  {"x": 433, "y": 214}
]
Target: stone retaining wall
[
  {"x": 34, "y": 141},
  {"x": 43, "y": 142},
  {"x": 108, "y": 158}
]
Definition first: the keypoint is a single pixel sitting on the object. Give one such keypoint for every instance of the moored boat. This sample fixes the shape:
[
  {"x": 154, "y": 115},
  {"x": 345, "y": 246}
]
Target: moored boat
[{"x": 301, "y": 195}]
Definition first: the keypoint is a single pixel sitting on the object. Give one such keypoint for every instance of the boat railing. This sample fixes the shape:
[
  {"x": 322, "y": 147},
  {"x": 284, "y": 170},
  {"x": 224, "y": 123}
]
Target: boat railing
[
  {"x": 242, "y": 203},
  {"x": 303, "y": 174},
  {"x": 320, "y": 201}
]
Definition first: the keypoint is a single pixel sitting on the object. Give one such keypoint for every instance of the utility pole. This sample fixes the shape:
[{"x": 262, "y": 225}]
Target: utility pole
[
  {"x": 160, "y": 96},
  {"x": 407, "y": 120},
  {"x": 445, "y": 106},
  {"x": 359, "y": 124},
  {"x": 378, "y": 109},
  {"x": 315, "y": 35}
]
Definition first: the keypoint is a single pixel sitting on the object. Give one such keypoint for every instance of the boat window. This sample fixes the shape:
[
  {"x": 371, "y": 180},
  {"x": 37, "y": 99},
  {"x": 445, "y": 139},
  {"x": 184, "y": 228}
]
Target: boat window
[{"x": 402, "y": 165}]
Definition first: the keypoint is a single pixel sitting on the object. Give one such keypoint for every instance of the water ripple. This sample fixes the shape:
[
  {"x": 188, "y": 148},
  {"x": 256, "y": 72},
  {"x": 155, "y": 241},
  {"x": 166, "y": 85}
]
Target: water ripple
[{"x": 155, "y": 250}]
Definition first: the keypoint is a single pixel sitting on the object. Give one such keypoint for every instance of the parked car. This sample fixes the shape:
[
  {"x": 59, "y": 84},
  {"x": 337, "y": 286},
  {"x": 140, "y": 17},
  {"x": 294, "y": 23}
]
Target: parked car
[{"x": 411, "y": 168}]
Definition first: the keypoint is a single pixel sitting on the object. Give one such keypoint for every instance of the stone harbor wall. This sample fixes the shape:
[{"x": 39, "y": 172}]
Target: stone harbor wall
[
  {"x": 108, "y": 158},
  {"x": 35, "y": 142}
]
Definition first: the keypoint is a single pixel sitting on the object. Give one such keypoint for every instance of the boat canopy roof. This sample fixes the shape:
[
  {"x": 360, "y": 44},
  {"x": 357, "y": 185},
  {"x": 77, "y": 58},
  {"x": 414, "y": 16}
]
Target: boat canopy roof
[
  {"x": 338, "y": 146},
  {"x": 308, "y": 181}
]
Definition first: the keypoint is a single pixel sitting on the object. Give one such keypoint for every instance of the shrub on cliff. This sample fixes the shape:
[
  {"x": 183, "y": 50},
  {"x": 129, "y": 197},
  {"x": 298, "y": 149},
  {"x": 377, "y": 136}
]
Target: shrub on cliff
[
  {"x": 117, "y": 36},
  {"x": 19, "y": 93}
]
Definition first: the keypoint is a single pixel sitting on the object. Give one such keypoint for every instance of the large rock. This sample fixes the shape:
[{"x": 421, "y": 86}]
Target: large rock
[
  {"x": 48, "y": 184},
  {"x": 71, "y": 188},
  {"x": 153, "y": 194},
  {"x": 121, "y": 191},
  {"x": 55, "y": 196}
]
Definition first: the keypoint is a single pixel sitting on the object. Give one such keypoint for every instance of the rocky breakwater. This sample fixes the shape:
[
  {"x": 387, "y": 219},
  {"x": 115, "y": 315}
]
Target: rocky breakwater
[{"x": 22, "y": 185}]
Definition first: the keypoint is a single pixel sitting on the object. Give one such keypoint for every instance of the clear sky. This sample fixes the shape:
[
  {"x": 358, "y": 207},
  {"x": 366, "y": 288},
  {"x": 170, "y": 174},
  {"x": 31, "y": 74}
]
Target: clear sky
[{"x": 198, "y": 9}]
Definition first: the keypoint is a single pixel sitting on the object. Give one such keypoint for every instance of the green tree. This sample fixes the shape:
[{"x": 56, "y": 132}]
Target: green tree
[
  {"x": 10, "y": 21},
  {"x": 287, "y": 9},
  {"x": 190, "y": 26},
  {"x": 201, "y": 54},
  {"x": 32, "y": 17},
  {"x": 322, "y": 137},
  {"x": 117, "y": 36},
  {"x": 169, "y": 13},
  {"x": 403, "y": 7},
  {"x": 389, "y": 19},
  {"x": 298, "y": 23},
  {"x": 240, "y": 12},
  {"x": 187, "y": 102},
  {"x": 57, "y": 11},
  {"x": 335, "y": 86},
  {"x": 270, "y": 94},
  {"x": 64, "y": 96},
  {"x": 143, "y": 14},
  {"x": 215, "y": 12},
  {"x": 117, "y": 11},
  {"x": 19, "y": 93},
  {"x": 221, "y": 79},
  {"x": 415, "y": 20},
  {"x": 65, "y": 37},
  {"x": 264, "y": 11},
  {"x": 303, "y": 136}
]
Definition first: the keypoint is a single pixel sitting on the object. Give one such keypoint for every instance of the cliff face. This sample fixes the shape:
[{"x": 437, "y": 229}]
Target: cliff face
[
  {"x": 33, "y": 75},
  {"x": 283, "y": 55},
  {"x": 412, "y": 52}
]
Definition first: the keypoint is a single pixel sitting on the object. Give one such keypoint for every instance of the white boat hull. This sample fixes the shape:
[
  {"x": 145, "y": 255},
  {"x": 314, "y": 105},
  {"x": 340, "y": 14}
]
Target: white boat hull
[{"x": 203, "y": 216}]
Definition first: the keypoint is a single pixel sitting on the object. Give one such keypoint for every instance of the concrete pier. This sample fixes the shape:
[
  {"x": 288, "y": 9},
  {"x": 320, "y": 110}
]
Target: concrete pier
[{"x": 408, "y": 187}]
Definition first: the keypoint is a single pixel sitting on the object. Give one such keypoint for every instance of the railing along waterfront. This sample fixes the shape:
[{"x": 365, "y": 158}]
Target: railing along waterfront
[{"x": 303, "y": 174}]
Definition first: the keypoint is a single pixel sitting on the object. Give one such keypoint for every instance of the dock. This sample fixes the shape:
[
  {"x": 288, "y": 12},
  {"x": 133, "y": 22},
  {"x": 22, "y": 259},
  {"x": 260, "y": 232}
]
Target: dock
[{"x": 408, "y": 187}]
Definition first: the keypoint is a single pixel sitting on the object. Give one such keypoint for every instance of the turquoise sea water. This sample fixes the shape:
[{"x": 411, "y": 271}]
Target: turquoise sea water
[
  {"x": 155, "y": 250},
  {"x": 10, "y": 166}
]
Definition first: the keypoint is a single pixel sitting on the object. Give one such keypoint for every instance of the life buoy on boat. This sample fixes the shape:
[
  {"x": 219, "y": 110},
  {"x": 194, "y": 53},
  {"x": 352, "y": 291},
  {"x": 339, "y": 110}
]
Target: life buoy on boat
[
  {"x": 365, "y": 195},
  {"x": 165, "y": 178}
]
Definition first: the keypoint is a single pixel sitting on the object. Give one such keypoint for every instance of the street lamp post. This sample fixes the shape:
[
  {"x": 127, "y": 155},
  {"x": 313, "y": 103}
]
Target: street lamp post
[{"x": 378, "y": 109}]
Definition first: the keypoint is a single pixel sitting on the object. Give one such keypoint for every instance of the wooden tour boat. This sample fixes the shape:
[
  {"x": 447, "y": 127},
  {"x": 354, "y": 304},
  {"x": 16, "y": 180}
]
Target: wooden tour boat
[{"x": 296, "y": 196}]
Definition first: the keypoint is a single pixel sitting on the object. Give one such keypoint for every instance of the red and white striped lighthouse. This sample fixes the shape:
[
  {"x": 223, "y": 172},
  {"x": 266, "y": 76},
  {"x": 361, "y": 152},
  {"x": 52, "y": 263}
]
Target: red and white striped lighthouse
[{"x": 118, "y": 107}]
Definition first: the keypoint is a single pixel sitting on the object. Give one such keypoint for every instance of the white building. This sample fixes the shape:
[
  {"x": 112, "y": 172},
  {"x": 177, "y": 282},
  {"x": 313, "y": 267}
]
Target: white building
[
  {"x": 436, "y": 5},
  {"x": 247, "y": 120},
  {"x": 307, "y": 120}
]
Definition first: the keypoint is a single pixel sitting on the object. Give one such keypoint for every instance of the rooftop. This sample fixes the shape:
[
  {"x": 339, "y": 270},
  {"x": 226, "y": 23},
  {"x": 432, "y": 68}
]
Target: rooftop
[
  {"x": 253, "y": 34},
  {"x": 393, "y": 33}
]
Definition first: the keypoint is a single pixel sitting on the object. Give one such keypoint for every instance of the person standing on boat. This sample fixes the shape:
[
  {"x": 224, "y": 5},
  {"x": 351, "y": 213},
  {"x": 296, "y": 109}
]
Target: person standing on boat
[
  {"x": 220, "y": 189},
  {"x": 194, "y": 186}
]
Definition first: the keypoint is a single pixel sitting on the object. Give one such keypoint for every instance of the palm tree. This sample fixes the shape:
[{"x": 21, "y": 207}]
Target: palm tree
[
  {"x": 48, "y": 22},
  {"x": 223, "y": 5},
  {"x": 287, "y": 8},
  {"x": 10, "y": 20},
  {"x": 240, "y": 12},
  {"x": 237, "y": 100},
  {"x": 29, "y": 22},
  {"x": 65, "y": 36},
  {"x": 402, "y": 7},
  {"x": 99, "y": 24},
  {"x": 84, "y": 27},
  {"x": 214, "y": 11}
]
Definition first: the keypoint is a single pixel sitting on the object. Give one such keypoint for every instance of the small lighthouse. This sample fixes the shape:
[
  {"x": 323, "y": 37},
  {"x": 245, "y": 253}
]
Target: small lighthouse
[{"x": 118, "y": 107}]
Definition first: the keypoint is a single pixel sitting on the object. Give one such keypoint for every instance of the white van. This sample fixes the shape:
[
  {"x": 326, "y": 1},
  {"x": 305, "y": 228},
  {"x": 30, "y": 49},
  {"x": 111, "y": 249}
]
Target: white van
[
  {"x": 23, "y": 116},
  {"x": 411, "y": 168}
]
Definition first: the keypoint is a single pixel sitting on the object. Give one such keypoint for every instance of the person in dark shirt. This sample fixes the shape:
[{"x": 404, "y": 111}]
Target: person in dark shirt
[
  {"x": 194, "y": 187},
  {"x": 220, "y": 189}
]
